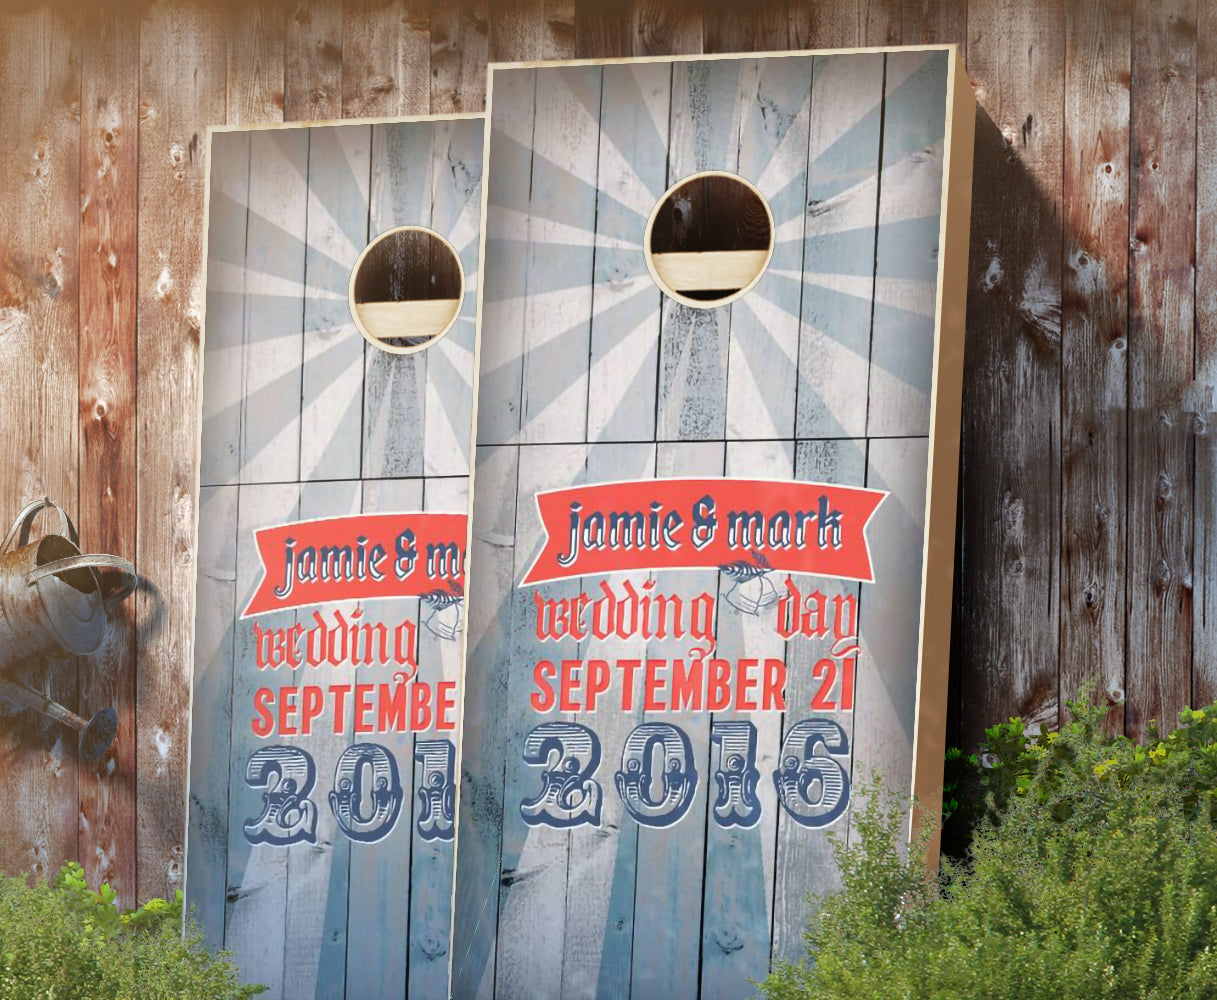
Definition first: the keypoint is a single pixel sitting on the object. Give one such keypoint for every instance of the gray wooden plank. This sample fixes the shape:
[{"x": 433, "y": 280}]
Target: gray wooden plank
[
  {"x": 762, "y": 368},
  {"x": 456, "y": 197},
  {"x": 211, "y": 710},
  {"x": 668, "y": 901},
  {"x": 394, "y": 384},
  {"x": 738, "y": 891},
  {"x": 558, "y": 306},
  {"x": 704, "y": 135},
  {"x": 274, "y": 284},
  {"x": 804, "y": 863},
  {"x": 626, "y": 303},
  {"x": 906, "y": 250},
  {"x": 378, "y": 928},
  {"x": 889, "y": 615},
  {"x": 331, "y": 417},
  {"x": 223, "y": 369},
  {"x": 431, "y": 861},
  {"x": 315, "y": 942},
  {"x": 491, "y": 600},
  {"x": 837, "y": 267},
  {"x": 535, "y": 858},
  {"x": 509, "y": 184},
  {"x": 598, "y": 942},
  {"x": 255, "y": 920}
]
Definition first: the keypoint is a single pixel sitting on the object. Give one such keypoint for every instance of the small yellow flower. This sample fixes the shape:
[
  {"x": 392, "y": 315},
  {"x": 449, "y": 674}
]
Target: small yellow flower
[
  {"x": 1199, "y": 716},
  {"x": 1051, "y": 737},
  {"x": 1100, "y": 769}
]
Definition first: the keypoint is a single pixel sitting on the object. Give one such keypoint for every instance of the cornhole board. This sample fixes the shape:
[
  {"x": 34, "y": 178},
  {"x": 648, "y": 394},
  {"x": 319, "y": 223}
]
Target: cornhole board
[
  {"x": 322, "y": 782},
  {"x": 711, "y": 555}
]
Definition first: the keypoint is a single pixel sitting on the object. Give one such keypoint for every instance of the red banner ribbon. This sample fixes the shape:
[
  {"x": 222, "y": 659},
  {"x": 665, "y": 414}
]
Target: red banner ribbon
[
  {"x": 359, "y": 557},
  {"x": 652, "y": 524}
]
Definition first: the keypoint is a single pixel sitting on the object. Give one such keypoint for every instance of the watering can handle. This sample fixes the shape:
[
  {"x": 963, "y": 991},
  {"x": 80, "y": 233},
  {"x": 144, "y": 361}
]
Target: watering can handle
[
  {"x": 21, "y": 527},
  {"x": 90, "y": 562}
]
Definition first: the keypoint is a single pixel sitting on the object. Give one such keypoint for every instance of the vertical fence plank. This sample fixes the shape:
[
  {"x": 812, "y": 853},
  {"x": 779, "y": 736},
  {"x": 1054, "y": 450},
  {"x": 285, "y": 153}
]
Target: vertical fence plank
[
  {"x": 1161, "y": 342},
  {"x": 662, "y": 28},
  {"x": 109, "y": 169},
  {"x": 1011, "y": 514},
  {"x": 1204, "y": 610},
  {"x": 386, "y": 58},
  {"x": 1094, "y": 337},
  {"x": 458, "y": 55},
  {"x": 931, "y": 22},
  {"x": 39, "y": 212},
  {"x": 256, "y": 30},
  {"x": 182, "y": 59},
  {"x": 312, "y": 61}
]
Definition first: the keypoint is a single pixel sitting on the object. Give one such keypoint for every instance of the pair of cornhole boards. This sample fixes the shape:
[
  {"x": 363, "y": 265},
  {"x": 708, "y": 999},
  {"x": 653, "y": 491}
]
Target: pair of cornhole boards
[{"x": 713, "y": 402}]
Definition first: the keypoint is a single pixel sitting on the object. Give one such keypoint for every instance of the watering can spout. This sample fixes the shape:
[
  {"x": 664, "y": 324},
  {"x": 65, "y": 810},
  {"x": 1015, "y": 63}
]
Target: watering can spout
[{"x": 52, "y": 605}]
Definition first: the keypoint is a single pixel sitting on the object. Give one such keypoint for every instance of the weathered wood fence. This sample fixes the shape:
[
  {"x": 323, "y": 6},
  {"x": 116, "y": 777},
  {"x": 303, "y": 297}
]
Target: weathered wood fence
[{"x": 1088, "y": 482}]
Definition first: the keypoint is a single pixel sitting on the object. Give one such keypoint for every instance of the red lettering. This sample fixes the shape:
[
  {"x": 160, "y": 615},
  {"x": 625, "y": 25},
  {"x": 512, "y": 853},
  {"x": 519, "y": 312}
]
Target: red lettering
[
  {"x": 363, "y": 705},
  {"x": 339, "y": 691},
  {"x": 568, "y": 685},
  {"x": 420, "y": 705},
  {"x": 597, "y": 681},
  {"x": 653, "y": 687},
  {"x": 718, "y": 686},
  {"x": 264, "y": 722},
  {"x": 392, "y": 715},
  {"x": 773, "y": 686},
  {"x": 687, "y": 685},
  {"x": 627, "y": 668},
  {"x": 744, "y": 682},
  {"x": 287, "y": 708},
  {"x": 542, "y": 699},
  {"x": 312, "y": 704},
  {"x": 446, "y": 713}
]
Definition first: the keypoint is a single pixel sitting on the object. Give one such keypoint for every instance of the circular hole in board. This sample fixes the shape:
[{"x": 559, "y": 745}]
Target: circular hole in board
[
  {"x": 709, "y": 239},
  {"x": 406, "y": 289}
]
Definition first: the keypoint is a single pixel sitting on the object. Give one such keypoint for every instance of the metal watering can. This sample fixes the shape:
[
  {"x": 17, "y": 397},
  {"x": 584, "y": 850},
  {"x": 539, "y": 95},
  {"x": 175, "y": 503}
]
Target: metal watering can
[{"x": 51, "y": 605}]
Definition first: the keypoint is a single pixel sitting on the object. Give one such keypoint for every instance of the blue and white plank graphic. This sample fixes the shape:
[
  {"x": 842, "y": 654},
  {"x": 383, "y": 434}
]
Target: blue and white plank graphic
[
  {"x": 589, "y": 374},
  {"x": 303, "y": 418}
]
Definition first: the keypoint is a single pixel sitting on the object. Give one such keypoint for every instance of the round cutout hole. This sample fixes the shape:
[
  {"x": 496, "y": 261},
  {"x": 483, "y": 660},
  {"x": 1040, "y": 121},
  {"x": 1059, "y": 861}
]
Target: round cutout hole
[
  {"x": 406, "y": 289},
  {"x": 709, "y": 239}
]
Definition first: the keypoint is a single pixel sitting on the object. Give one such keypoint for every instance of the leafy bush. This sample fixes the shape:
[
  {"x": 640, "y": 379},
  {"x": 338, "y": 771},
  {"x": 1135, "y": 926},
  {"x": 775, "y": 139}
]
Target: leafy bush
[
  {"x": 1092, "y": 874},
  {"x": 1181, "y": 769},
  {"x": 67, "y": 942}
]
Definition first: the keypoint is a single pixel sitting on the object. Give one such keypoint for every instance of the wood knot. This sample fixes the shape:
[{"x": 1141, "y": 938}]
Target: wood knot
[
  {"x": 1164, "y": 489},
  {"x": 1162, "y": 574}
]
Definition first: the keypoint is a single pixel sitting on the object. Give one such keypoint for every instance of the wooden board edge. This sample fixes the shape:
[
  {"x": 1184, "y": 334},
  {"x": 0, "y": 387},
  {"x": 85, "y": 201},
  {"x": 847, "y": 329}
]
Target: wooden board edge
[
  {"x": 196, "y": 499},
  {"x": 339, "y": 122},
  {"x": 946, "y": 404},
  {"x": 475, "y": 388},
  {"x": 491, "y": 67}
]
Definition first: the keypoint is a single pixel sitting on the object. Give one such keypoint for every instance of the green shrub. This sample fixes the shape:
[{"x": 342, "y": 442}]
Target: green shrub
[
  {"x": 1092, "y": 874},
  {"x": 1181, "y": 768},
  {"x": 64, "y": 941}
]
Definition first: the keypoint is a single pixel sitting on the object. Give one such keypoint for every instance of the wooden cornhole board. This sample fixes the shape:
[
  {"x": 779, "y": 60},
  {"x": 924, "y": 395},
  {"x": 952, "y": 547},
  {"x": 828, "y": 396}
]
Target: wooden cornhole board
[
  {"x": 754, "y": 640},
  {"x": 323, "y": 858}
]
